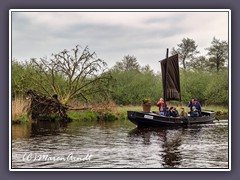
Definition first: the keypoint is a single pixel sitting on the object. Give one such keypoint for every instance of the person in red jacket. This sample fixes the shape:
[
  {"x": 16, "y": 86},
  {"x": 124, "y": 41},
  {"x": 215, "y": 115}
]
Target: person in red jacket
[{"x": 161, "y": 105}]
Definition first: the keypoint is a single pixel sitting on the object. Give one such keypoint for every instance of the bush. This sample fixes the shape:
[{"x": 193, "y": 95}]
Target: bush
[
  {"x": 217, "y": 89},
  {"x": 130, "y": 87}
]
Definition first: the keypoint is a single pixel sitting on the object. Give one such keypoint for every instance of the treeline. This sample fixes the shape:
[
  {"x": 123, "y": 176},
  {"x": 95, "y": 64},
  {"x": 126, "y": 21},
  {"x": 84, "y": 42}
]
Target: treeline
[
  {"x": 80, "y": 75},
  {"x": 132, "y": 84}
]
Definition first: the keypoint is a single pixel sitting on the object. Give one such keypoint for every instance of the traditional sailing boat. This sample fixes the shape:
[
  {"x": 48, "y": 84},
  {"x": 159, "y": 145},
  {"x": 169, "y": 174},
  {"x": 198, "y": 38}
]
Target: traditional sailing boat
[{"x": 171, "y": 91}]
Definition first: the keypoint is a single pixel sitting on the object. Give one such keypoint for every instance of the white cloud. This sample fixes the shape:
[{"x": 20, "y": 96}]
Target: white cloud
[{"x": 112, "y": 35}]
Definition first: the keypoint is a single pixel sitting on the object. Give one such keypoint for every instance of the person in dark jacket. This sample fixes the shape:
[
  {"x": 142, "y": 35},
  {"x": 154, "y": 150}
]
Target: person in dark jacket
[
  {"x": 196, "y": 104},
  {"x": 168, "y": 113},
  {"x": 194, "y": 112},
  {"x": 190, "y": 104},
  {"x": 171, "y": 112},
  {"x": 175, "y": 112}
]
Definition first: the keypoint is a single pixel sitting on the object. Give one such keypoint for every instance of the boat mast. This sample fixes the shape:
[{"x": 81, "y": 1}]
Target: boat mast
[{"x": 165, "y": 83}]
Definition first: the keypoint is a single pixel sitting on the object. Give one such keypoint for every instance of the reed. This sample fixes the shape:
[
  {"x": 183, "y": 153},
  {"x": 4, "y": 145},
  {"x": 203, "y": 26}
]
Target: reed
[{"x": 19, "y": 109}]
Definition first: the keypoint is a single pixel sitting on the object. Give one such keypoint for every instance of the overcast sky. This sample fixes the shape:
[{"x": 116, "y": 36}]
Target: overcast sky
[{"x": 112, "y": 35}]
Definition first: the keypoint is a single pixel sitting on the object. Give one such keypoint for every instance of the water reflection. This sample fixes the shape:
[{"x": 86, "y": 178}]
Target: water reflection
[
  {"x": 169, "y": 140},
  {"x": 171, "y": 155},
  {"x": 168, "y": 143},
  {"x": 41, "y": 128},
  {"x": 119, "y": 144},
  {"x": 20, "y": 131}
]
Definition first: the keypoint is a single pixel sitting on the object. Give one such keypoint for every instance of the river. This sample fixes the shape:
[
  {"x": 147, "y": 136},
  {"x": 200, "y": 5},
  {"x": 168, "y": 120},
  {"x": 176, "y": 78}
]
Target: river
[{"x": 118, "y": 144}]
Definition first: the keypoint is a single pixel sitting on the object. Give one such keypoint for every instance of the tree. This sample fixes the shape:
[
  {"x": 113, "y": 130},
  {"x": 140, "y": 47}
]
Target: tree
[
  {"x": 78, "y": 73},
  {"x": 186, "y": 50},
  {"x": 146, "y": 69},
  {"x": 218, "y": 53},
  {"x": 128, "y": 63},
  {"x": 200, "y": 63}
]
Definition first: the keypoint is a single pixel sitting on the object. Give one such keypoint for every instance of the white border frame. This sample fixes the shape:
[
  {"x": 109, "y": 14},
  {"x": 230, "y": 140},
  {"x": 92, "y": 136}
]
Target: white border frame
[{"x": 120, "y": 10}]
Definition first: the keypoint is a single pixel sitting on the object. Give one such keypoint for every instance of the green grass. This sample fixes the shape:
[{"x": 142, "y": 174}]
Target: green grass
[
  {"x": 216, "y": 108},
  {"x": 91, "y": 115},
  {"x": 220, "y": 110},
  {"x": 82, "y": 115},
  {"x": 21, "y": 119},
  {"x": 121, "y": 113},
  {"x": 124, "y": 109}
]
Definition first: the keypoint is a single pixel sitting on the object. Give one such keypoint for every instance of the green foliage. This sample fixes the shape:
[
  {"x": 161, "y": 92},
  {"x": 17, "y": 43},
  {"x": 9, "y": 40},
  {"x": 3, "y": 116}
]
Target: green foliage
[
  {"x": 217, "y": 89},
  {"x": 130, "y": 87},
  {"x": 193, "y": 84},
  {"x": 20, "y": 77},
  {"x": 146, "y": 101},
  {"x": 206, "y": 87},
  {"x": 127, "y": 81},
  {"x": 21, "y": 119}
]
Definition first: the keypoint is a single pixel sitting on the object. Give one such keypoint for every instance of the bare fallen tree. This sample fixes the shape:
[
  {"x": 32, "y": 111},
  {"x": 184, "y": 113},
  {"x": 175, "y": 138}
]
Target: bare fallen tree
[{"x": 69, "y": 74}]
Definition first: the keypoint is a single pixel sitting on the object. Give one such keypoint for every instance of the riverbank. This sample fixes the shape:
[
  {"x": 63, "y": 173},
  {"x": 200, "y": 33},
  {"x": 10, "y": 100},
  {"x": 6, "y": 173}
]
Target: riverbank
[
  {"x": 220, "y": 110},
  {"x": 19, "y": 112},
  {"x": 120, "y": 113}
]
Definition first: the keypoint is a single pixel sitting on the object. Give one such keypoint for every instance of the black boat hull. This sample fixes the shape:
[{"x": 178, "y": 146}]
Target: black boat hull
[{"x": 143, "y": 119}]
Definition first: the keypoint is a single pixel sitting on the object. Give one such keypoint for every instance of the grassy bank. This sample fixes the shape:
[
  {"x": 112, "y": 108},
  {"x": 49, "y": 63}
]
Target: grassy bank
[
  {"x": 19, "y": 112},
  {"x": 121, "y": 113},
  {"x": 220, "y": 110},
  {"x": 93, "y": 115}
]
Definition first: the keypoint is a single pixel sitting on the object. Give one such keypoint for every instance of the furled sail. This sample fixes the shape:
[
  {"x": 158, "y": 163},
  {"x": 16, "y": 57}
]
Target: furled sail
[{"x": 171, "y": 78}]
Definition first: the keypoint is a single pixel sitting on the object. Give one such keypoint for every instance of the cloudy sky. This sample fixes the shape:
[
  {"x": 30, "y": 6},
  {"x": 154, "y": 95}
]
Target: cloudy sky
[{"x": 112, "y": 35}]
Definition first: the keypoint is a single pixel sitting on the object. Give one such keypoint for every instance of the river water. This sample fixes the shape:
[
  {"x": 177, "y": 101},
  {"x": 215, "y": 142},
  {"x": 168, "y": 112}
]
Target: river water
[{"x": 118, "y": 144}]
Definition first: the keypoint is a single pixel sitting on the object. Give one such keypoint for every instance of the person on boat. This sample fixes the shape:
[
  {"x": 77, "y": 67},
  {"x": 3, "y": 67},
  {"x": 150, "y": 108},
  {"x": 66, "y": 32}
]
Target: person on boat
[
  {"x": 171, "y": 112},
  {"x": 196, "y": 104},
  {"x": 190, "y": 104},
  {"x": 183, "y": 114},
  {"x": 175, "y": 112},
  {"x": 161, "y": 111},
  {"x": 194, "y": 112},
  {"x": 166, "y": 111},
  {"x": 162, "y": 106}
]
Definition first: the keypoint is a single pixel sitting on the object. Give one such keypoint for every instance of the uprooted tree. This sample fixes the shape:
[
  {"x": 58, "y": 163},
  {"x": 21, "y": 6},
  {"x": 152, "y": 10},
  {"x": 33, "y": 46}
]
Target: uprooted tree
[
  {"x": 46, "y": 107},
  {"x": 67, "y": 75}
]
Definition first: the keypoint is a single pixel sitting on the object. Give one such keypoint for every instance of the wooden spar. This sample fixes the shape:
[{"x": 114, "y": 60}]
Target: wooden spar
[{"x": 165, "y": 86}]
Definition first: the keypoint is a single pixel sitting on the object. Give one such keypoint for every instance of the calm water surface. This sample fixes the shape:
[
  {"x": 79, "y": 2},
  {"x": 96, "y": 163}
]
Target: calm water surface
[{"x": 118, "y": 144}]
